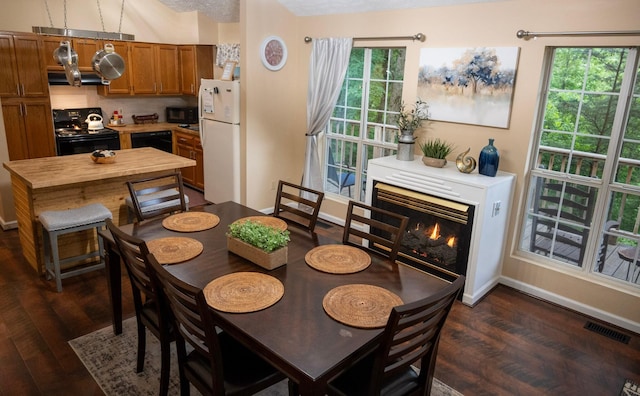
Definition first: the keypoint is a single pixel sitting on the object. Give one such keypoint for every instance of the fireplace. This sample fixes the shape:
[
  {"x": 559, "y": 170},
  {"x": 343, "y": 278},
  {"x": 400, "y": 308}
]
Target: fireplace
[
  {"x": 438, "y": 235},
  {"x": 471, "y": 208}
]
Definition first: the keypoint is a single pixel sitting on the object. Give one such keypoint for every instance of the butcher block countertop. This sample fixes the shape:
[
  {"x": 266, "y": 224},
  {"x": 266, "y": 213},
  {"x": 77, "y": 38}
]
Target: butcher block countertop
[
  {"x": 70, "y": 169},
  {"x": 159, "y": 126}
]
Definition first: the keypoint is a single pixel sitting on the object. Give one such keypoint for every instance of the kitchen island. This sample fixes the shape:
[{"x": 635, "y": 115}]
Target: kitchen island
[{"x": 60, "y": 183}]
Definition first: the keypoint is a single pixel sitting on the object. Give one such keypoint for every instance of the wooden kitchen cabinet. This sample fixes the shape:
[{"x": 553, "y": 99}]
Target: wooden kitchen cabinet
[
  {"x": 168, "y": 69},
  {"x": 154, "y": 69},
  {"x": 122, "y": 85},
  {"x": 143, "y": 68},
  {"x": 22, "y": 70},
  {"x": 49, "y": 45},
  {"x": 188, "y": 146},
  {"x": 86, "y": 49},
  {"x": 196, "y": 62},
  {"x": 28, "y": 124}
]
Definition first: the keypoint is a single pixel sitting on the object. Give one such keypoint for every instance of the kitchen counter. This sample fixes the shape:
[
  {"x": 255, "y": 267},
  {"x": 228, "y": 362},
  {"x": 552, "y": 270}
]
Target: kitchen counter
[
  {"x": 127, "y": 129},
  {"x": 59, "y": 183}
]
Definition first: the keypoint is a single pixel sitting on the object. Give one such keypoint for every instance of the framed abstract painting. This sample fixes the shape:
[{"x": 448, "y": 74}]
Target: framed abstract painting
[{"x": 469, "y": 85}]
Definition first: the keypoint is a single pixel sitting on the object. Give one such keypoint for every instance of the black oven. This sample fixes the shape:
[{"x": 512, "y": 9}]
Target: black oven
[
  {"x": 73, "y": 135},
  {"x": 67, "y": 145}
]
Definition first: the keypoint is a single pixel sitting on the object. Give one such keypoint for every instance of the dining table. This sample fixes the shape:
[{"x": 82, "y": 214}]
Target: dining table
[{"x": 295, "y": 334}]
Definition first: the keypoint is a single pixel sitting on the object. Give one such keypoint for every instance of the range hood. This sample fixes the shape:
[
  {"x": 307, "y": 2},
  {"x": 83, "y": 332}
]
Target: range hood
[{"x": 60, "y": 78}]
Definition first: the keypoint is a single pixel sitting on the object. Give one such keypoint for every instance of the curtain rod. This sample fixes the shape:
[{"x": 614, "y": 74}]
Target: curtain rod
[
  {"x": 526, "y": 35},
  {"x": 417, "y": 36}
]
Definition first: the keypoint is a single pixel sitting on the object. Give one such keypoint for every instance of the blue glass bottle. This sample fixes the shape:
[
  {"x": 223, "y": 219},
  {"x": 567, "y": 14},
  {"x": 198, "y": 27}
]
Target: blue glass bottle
[{"x": 488, "y": 160}]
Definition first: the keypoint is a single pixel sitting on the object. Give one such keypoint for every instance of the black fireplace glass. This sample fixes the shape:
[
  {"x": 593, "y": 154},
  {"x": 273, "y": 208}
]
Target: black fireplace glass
[{"x": 438, "y": 236}]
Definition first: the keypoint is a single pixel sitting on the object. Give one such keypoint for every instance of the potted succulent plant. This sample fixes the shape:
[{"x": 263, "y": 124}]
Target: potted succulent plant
[
  {"x": 263, "y": 245},
  {"x": 435, "y": 152}
]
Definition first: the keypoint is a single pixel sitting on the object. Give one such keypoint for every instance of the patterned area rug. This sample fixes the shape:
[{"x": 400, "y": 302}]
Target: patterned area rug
[{"x": 111, "y": 360}]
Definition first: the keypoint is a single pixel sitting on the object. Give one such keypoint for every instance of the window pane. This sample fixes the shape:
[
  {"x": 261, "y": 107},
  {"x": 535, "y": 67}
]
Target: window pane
[
  {"x": 340, "y": 176},
  {"x": 604, "y": 63},
  {"x": 569, "y": 68},
  {"x": 618, "y": 242},
  {"x": 628, "y": 171},
  {"x": 356, "y": 63},
  {"x": 363, "y": 116},
  {"x": 583, "y": 116},
  {"x": 559, "y": 217}
]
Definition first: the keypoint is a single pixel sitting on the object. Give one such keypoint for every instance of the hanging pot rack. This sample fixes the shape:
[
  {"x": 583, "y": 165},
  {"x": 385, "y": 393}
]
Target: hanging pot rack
[{"x": 104, "y": 35}]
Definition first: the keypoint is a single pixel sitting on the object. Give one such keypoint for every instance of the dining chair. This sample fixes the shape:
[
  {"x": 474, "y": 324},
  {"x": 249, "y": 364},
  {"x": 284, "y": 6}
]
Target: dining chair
[
  {"x": 218, "y": 363},
  {"x": 412, "y": 334},
  {"x": 382, "y": 229},
  {"x": 155, "y": 196},
  {"x": 151, "y": 310},
  {"x": 298, "y": 204}
]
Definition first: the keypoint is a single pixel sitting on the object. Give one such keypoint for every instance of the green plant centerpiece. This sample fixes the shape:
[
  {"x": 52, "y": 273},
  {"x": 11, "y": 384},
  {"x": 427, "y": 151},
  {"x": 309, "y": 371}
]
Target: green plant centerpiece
[
  {"x": 435, "y": 152},
  {"x": 263, "y": 245}
]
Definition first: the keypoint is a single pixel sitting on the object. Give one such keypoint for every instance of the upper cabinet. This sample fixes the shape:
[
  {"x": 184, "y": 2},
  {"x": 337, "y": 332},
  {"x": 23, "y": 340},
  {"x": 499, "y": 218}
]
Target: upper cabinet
[
  {"x": 122, "y": 85},
  {"x": 168, "y": 69},
  {"x": 196, "y": 62},
  {"x": 154, "y": 69},
  {"x": 85, "y": 48},
  {"x": 143, "y": 68},
  {"x": 22, "y": 71}
]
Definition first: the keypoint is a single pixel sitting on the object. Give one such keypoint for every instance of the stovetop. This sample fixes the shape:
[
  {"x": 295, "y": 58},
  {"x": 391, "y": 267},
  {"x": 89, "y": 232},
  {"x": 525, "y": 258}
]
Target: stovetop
[{"x": 71, "y": 122}]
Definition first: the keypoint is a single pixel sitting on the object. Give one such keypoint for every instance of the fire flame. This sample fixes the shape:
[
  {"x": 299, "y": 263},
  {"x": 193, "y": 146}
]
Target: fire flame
[
  {"x": 451, "y": 241},
  {"x": 435, "y": 234}
]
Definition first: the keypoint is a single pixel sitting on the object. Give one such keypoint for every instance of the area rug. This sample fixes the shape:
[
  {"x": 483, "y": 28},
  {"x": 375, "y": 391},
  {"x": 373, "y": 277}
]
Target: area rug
[
  {"x": 111, "y": 360},
  {"x": 630, "y": 388}
]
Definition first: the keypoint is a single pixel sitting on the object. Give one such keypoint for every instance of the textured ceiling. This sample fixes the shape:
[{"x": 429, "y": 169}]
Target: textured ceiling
[{"x": 228, "y": 10}]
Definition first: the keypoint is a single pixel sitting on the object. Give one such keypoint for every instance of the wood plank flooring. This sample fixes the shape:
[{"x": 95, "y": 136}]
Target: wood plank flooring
[{"x": 509, "y": 344}]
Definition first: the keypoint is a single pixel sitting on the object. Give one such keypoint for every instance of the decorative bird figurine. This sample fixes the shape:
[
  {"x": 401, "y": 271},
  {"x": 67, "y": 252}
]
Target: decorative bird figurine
[{"x": 465, "y": 164}]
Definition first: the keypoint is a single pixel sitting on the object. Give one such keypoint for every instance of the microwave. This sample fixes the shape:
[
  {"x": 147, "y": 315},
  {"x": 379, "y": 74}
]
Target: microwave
[{"x": 182, "y": 115}]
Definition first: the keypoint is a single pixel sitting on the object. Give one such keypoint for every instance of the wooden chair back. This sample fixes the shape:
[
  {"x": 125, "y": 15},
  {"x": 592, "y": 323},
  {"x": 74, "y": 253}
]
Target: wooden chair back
[
  {"x": 157, "y": 195},
  {"x": 298, "y": 204},
  {"x": 411, "y": 334},
  {"x": 381, "y": 236}
]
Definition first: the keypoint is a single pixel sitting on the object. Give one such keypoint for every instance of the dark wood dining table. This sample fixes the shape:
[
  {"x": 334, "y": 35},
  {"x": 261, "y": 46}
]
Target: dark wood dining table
[{"x": 295, "y": 334}]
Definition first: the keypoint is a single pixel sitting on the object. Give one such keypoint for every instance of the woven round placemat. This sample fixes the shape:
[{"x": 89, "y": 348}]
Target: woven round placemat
[
  {"x": 190, "y": 221},
  {"x": 173, "y": 250},
  {"x": 338, "y": 259},
  {"x": 269, "y": 221},
  {"x": 243, "y": 292},
  {"x": 362, "y": 306}
]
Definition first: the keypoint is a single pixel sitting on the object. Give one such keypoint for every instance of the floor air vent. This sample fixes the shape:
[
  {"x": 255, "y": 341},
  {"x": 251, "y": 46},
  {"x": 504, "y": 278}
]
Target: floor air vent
[{"x": 607, "y": 332}]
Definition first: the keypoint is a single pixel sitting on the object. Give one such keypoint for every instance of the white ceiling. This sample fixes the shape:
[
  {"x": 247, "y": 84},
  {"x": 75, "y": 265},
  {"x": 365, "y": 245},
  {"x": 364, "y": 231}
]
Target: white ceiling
[{"x": 228, "y": 10}]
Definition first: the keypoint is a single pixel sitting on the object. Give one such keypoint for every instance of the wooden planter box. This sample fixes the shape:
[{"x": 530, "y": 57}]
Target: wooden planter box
[{"x": 257, "y": 256}]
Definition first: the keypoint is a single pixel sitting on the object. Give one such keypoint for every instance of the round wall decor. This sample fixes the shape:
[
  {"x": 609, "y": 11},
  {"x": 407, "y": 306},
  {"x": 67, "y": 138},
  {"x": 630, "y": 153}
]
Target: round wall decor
[{"x": 273, "y": 53}]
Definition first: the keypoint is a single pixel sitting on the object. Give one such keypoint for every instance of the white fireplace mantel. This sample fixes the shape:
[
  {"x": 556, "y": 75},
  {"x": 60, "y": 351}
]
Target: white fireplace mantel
[{"x": 491, "y": 197}]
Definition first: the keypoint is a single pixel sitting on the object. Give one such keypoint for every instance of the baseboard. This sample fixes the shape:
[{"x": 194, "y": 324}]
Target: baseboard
[
  {"x": 572, "y": 304},
  {"x": 8, "y": 225}
]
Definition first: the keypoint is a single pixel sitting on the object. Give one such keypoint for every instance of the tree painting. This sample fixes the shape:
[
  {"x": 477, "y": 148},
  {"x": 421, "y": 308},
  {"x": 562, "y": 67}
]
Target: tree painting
[{"x": 468, "y": 85}]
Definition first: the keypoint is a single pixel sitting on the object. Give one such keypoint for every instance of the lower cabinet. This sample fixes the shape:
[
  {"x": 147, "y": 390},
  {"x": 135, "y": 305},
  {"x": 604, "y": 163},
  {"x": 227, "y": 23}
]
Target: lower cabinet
[
  {"x": 188, "y": 146},
  {"x": 29, "y": 128}
]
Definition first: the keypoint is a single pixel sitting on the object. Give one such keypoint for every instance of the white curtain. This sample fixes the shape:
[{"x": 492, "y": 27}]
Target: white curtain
[{"x": 328, "y": 66}]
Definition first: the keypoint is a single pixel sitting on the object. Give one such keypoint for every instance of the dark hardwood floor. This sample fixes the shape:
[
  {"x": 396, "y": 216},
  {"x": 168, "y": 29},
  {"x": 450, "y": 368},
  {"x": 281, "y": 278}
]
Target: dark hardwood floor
[{"x": 508, "y": 344}]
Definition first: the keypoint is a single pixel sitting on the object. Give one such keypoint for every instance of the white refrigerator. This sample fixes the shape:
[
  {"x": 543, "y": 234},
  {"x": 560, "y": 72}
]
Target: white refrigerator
[{"x": 219, "y": 108}]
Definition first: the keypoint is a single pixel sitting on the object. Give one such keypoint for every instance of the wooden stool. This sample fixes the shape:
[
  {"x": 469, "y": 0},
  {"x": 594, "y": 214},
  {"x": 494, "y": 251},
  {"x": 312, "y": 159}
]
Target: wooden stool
[{"x": 60, "y": 222}]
